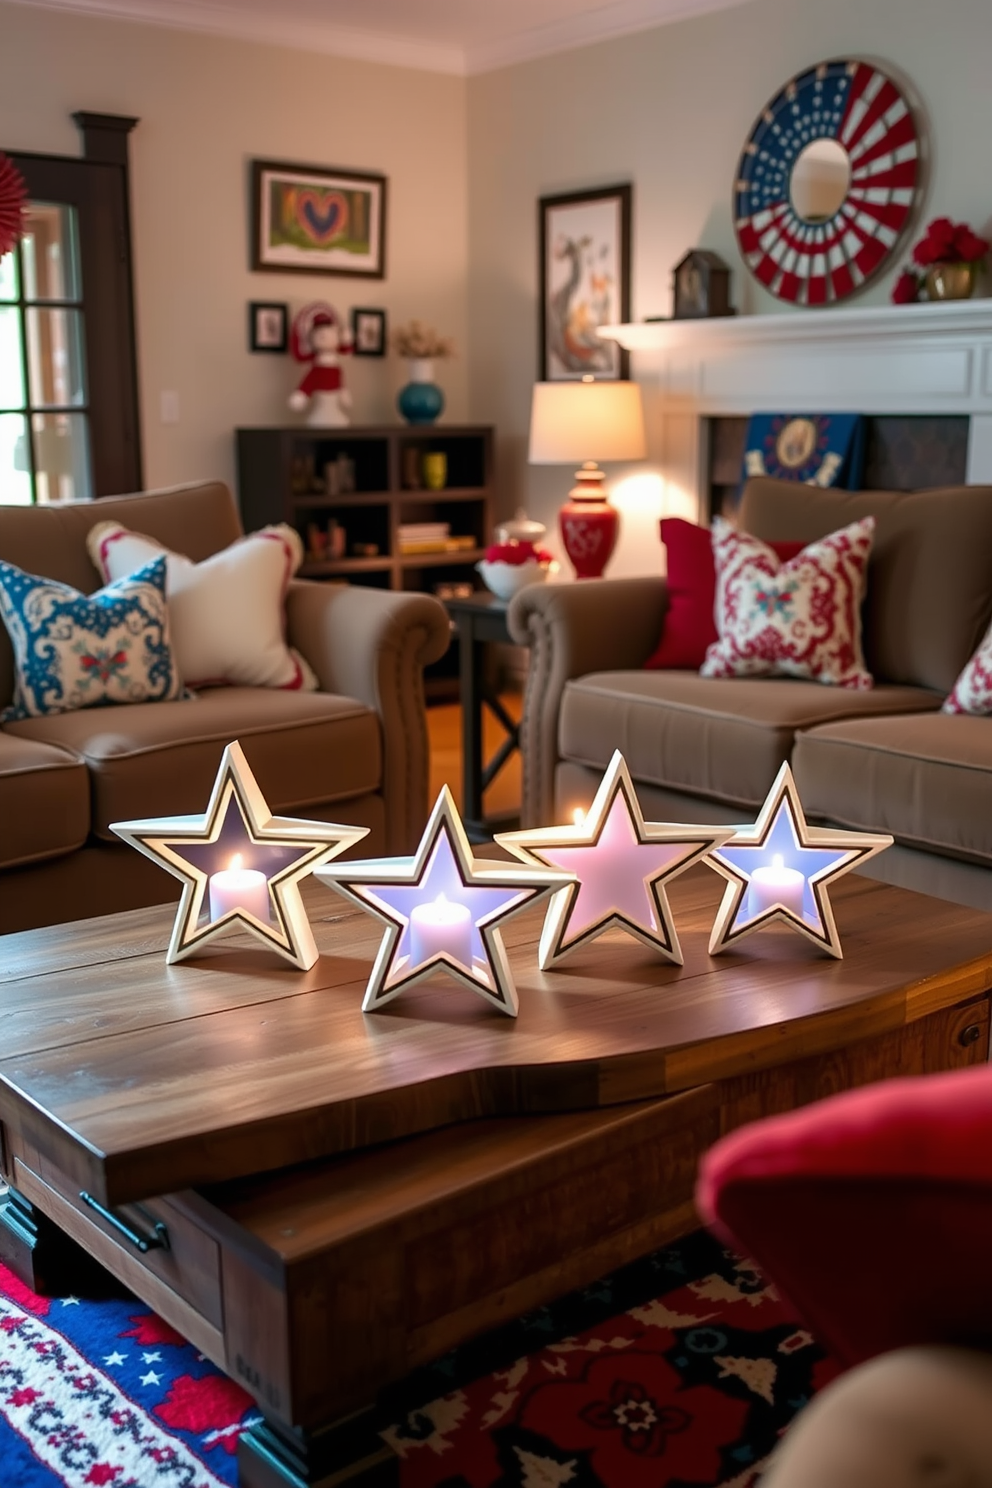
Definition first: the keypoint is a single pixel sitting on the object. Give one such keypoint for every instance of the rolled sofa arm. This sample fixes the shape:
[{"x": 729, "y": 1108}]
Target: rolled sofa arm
[
  {"x": 596, "y": 625},
  {"x": 373, "y": 645}
]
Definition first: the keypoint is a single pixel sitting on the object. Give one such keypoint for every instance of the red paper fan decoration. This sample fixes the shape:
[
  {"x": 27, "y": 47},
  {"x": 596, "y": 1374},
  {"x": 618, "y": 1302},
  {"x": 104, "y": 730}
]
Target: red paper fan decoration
[{"x": 13, "y": 194}]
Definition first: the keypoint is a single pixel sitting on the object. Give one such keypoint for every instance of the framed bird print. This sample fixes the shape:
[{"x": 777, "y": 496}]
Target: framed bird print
[{"x": 584, "y": 279}]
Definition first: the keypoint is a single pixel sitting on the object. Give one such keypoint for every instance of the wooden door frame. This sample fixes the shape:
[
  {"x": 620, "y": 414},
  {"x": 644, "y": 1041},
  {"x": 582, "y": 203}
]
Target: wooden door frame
[{"x": 97, "y": 185}]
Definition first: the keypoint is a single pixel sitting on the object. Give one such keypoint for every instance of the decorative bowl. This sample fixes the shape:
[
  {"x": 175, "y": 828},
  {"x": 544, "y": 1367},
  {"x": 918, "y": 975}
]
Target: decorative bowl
[{"x": 504, "y": 579}]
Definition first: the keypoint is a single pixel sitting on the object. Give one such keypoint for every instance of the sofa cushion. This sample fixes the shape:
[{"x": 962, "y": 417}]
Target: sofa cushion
[
  {"x": 228, "y": 613},
  {"x": 929, "y": 577},
  {"x": 44, "y": 801},
  {"x": 75, "y": 650},
  {"x": 690, "y": 572},
  {"x": 797, "y": 619},
  {"x": 724, "y": 737},
  {"x": 160, "y": 759},
  {"x": 196, "y": 520},
  {"x": 926, "y": 779}
]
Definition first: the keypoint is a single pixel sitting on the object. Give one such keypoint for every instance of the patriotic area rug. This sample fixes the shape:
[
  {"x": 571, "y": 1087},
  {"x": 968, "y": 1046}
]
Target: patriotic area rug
[{"x": 680, "y": 1370}]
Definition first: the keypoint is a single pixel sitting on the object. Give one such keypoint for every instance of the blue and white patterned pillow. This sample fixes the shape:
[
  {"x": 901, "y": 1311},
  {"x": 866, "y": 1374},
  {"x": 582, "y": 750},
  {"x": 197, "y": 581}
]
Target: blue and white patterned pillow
[{"x": 73, "y": 651}]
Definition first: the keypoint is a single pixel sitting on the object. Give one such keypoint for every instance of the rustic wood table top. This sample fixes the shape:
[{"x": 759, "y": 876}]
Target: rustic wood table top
[{"x": 141, "y": 1078}]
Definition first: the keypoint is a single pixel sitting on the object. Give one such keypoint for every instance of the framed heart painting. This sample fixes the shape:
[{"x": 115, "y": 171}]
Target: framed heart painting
[{"x": 307, "y": 220}]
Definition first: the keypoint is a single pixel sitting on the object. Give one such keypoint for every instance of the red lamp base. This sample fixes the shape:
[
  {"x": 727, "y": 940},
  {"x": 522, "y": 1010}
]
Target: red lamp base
[{"x": 589, "y": 524}]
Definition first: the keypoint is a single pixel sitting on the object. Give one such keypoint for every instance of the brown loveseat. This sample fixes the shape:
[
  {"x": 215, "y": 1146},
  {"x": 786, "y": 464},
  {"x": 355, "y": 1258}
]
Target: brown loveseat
[
  {"x": 356, "y": 751},
  {"x": 708, "y": 749}
]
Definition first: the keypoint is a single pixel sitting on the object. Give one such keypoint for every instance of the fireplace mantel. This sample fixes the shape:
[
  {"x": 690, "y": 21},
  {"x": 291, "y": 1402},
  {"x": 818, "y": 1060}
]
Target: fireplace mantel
[{"x": 885, "y": 359}]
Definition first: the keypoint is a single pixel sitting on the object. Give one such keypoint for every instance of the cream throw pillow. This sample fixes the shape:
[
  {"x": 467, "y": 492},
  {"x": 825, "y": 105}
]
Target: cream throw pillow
[{"x": 226, "y": 614}]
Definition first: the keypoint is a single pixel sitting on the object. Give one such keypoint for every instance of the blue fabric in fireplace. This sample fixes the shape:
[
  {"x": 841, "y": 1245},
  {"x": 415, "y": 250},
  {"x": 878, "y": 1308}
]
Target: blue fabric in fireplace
[{"x": 815, "y": 449}]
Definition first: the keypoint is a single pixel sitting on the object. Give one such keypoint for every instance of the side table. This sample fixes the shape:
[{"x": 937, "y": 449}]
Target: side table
[{"x": 480, "y": 619}]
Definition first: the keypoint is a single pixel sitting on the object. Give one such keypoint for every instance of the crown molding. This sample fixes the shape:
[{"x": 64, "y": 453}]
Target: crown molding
[
  {"x": 277, "y": 30},
  {"x": 602, "y": 24}
]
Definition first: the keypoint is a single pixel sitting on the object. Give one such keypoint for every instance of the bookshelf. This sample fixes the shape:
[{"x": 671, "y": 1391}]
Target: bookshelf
[{"x": 348, "y": 492}]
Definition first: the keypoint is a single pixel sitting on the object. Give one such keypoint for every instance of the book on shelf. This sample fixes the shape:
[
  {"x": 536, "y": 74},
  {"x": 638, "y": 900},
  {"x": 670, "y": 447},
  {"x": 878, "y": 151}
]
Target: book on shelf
[
  {"x": 409, "y": 547},
  {"x": 423, "y": 531}
]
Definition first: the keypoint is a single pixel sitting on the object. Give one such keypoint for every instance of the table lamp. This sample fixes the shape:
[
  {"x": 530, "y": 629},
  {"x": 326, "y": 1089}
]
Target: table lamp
[{"x": 587, "y": 421}]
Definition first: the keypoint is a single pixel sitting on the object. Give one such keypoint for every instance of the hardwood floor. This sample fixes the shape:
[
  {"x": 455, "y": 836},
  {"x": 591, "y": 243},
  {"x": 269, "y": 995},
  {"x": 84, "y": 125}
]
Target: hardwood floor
[{"x": 444, "y": 727}]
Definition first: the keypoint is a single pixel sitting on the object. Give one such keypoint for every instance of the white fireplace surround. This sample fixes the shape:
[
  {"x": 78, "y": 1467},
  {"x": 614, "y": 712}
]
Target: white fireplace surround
[{"x": 891, "y": 359}]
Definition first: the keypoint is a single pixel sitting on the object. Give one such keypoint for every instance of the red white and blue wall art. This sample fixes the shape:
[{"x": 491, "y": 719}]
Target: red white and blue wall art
[{"x": 815, "y": 235}]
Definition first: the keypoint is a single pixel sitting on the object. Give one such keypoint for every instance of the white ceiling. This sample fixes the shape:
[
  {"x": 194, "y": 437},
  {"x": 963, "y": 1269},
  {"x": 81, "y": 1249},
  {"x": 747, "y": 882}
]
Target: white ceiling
[{"x": 462, "y": 36}]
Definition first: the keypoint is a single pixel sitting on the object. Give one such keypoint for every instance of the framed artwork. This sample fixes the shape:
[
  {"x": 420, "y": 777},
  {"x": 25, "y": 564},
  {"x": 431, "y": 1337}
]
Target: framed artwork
[
  {"x": 368, "y": 332},
  {"x": 308, "y": 220},
  {"x": 584, "y": 280},
  {"x": 268, "y": 325}
]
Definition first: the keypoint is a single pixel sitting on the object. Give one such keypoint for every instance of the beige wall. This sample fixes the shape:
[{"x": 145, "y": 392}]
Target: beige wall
[
  {"x": 669, "y": 110},
  {"x": 207, "y": 106}
]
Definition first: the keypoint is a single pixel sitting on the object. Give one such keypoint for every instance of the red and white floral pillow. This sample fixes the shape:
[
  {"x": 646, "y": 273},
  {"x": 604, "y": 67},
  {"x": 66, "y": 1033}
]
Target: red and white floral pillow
[
  {"x": 972, "y": 691},
  {"x": 227, "y": 614},
  {"x": 796, "y": 619}
]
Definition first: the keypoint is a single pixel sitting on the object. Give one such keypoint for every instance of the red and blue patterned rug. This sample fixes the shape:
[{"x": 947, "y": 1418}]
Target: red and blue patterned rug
[{"x": 679, "y": 1371}]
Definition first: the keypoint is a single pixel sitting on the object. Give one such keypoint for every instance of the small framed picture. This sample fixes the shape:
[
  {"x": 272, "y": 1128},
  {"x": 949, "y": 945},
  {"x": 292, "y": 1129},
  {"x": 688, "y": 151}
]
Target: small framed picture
[
  {"x": 268, "y": 326},
  {"x": 310, "y": 220},
  {"x": 368, "y": 331},
  {"x": 584, "y": 282}
]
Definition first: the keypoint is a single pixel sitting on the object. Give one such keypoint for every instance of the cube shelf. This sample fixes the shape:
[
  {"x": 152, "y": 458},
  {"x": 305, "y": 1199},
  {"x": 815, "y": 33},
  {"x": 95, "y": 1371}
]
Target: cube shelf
[{"x": 347, "y": 492}]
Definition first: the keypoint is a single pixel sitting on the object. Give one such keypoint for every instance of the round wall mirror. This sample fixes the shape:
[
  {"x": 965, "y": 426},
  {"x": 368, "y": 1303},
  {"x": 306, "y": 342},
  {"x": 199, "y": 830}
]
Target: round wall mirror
[
  {"x": 827, "y": 182},
  {"x": 820, "y": 180}
]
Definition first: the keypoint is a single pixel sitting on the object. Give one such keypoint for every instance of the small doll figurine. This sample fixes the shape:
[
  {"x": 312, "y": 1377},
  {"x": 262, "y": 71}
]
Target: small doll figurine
[{"x": 318, "y": 338}]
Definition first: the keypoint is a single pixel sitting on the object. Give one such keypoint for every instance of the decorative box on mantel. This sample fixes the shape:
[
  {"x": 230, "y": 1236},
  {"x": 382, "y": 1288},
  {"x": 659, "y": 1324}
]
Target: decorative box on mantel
[{"x": 886, "y": 359}]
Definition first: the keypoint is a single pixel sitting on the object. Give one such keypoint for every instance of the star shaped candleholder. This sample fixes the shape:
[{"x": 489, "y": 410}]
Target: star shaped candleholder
[
  {"x": 239, "y": 865},
  {"x": 620, "y": 866},
  {"x": 442, "y": 908},
  {"x": 780, "y": 869}
]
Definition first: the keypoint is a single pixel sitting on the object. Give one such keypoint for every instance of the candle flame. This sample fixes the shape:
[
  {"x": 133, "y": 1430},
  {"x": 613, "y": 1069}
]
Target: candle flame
[
  {"x": 441, "y": 900},
  {"x": 236, "y": 864},
  {"x": 579, "y": 817},
  {"x": 778, "y": 861}
]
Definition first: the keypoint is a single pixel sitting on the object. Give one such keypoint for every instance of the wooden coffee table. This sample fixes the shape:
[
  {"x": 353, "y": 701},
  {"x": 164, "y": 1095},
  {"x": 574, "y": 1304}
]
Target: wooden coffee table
[{"x": 320, "y": 1201}]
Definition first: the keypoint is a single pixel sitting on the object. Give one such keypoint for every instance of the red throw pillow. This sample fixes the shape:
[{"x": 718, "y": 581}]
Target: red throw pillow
[
  {"x": 690, "y": 626},
  {"x": 871, "y": 1210}
]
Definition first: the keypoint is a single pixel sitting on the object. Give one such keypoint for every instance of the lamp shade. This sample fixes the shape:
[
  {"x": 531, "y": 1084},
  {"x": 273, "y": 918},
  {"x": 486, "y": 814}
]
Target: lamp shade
[{"x": 575, "y": 421}]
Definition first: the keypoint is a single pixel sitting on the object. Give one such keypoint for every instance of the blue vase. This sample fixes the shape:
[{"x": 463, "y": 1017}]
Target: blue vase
[{"x": 421, "y": 401}]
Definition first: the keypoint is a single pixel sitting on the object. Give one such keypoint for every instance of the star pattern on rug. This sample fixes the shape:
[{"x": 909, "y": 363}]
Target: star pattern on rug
[
  {"x": 442, "y": 873},
  {"x": 620, "y": 866},
  {"x": 238, "y": 825},
  {"x": 781, "y": 836}
]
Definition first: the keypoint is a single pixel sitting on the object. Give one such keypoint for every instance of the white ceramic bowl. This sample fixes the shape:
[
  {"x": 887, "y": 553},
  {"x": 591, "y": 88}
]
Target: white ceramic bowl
[{"x": 504, "y": 579}]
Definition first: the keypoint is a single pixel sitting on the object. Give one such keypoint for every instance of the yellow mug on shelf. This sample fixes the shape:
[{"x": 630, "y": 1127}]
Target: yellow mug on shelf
[{"x": 435, "y": 470}]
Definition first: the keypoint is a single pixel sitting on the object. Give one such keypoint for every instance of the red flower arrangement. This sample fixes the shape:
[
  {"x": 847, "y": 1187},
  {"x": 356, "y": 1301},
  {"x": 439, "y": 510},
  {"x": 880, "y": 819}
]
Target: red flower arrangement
[
  {"x": 944, "y": 242},
  {"x": 13, "y": 195},
  {"x": 516, "y": 553}
]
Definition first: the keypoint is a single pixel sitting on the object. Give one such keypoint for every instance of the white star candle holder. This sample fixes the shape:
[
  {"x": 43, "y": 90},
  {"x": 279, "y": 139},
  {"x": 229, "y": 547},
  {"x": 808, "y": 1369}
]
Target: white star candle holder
[
  {"x": 779, "y": 870},
  {"x": 443, "y": 909},
  {"x": 240, "y": 866},
  {"x": 620, "y": 866}
]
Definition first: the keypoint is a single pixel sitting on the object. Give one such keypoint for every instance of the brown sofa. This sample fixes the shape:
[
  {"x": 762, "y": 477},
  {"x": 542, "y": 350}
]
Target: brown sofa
[
  {"x": 708, "y": 749},
  {"x": 356, "y": 751}
]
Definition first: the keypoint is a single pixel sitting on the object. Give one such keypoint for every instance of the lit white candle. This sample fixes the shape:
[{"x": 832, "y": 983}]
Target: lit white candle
[
  {"x": 441, "y": 927},
  {"x": 776, "y": 885},
  {"x": 239, "y": 888}
]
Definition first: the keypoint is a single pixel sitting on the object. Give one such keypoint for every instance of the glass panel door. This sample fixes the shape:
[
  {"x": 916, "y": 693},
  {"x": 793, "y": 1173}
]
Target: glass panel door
[{"x": 44, "y": 409}]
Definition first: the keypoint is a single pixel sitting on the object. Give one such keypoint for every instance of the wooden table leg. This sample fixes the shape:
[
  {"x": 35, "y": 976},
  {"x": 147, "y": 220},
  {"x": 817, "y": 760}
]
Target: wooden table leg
[
  {"x": 470, "y": 662},
  {"x": 349, "y": 1453},
  {"x": 43, "y": 1257}
]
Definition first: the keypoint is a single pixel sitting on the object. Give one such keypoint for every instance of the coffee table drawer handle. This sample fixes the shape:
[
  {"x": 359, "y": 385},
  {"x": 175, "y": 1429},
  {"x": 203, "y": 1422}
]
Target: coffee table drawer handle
[
  {"x": 157, "y": 1240},
  {"x": 969, "y": 1035}
]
